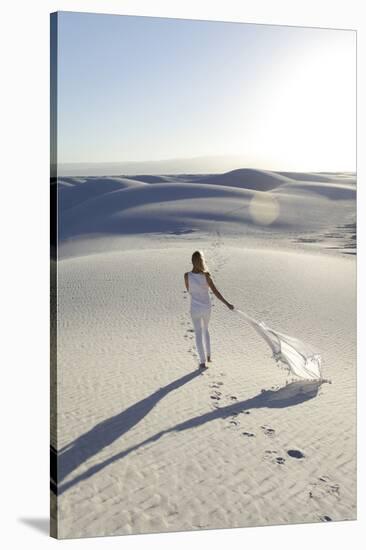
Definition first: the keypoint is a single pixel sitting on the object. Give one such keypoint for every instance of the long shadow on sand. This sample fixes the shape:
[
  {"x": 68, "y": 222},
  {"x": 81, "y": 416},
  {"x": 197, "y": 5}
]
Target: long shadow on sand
[
  {"x": 288, "y": 396},
  {"x": 70, "y": 457}
]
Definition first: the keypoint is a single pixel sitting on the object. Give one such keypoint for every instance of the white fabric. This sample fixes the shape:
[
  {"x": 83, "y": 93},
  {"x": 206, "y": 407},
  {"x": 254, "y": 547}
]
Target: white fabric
[
  {"x": 198, "y": 290},
  {"x": 200, "y": 312},
  {"x": 200, "y": 321},
  {"x": 301, "y": 359}
]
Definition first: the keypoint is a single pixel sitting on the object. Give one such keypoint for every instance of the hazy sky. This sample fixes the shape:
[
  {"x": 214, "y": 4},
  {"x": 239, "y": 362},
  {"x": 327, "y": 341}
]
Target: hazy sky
[{"x": 141, "y": 89}]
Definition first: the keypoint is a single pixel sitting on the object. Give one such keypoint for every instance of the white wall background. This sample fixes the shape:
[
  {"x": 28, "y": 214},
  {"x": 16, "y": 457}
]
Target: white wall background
[{"x": 24, "y": 227}]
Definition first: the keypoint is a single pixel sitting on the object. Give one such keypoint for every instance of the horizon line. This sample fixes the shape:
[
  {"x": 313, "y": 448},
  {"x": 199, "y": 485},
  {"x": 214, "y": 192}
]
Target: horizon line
[{"x": 177, "y": 159}]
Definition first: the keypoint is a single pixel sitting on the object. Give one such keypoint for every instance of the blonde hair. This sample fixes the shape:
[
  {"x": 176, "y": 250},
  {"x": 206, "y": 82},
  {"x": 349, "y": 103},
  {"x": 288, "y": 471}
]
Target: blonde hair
[{"x": 198, "y": 262}]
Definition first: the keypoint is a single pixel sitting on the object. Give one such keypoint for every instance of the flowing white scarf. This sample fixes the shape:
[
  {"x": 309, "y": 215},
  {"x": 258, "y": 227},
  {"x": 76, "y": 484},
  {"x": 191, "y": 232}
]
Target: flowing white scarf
[{"x": 301, "y": 359}]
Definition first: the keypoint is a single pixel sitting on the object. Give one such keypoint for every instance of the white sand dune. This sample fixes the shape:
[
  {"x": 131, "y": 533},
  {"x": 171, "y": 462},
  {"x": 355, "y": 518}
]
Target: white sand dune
[
  {"x": 152, "y": 179},
  {"x": 143, "y": 209},
  {"x": 259, "y": 180},
  {"x": 333, "y": 191},
  {"x": 144, "y": 442},
  {"x": 150, "y": 446},
  {"x": 236, "y": 200},
  {"x": 73, "y": 191},
  {"x": 327, "y": 177}
]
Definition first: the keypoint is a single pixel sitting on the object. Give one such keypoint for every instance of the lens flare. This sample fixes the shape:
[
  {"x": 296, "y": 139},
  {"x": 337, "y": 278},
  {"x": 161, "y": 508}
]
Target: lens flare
[{"x": 264, "y": 208}]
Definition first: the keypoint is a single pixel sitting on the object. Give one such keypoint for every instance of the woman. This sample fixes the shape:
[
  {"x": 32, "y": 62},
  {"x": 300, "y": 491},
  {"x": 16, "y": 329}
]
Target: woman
[{"x": 197, "y": 282}]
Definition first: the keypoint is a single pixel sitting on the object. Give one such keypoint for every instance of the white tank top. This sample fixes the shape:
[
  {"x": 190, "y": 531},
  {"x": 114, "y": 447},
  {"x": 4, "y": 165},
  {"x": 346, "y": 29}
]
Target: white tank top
[{"x": 198, "y": 289}]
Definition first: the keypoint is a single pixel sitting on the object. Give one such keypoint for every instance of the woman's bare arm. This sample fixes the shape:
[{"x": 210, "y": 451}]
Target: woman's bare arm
[
  {"x": 186, "y": 281},
  {"x": 216, "y": 292}
]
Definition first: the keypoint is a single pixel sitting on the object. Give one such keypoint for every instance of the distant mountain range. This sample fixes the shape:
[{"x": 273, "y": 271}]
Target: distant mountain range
[{"x": 196, "y": 165}]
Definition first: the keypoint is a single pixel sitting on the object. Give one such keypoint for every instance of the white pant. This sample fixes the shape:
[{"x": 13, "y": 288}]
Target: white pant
[{"x": 200, "y": 320}]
